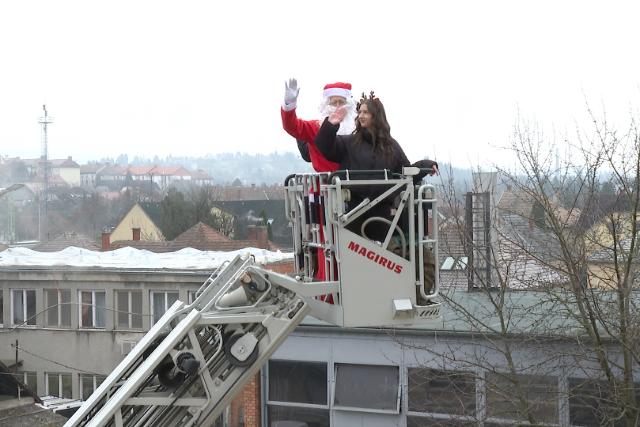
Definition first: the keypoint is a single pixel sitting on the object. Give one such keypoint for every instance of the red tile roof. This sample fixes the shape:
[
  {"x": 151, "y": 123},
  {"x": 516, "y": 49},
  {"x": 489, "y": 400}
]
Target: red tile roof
[{"x": 200, "y": 236}]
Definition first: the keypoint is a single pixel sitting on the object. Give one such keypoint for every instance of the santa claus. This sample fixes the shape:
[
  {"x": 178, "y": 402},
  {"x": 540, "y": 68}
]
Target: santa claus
[{"x": 334, "y": 95}]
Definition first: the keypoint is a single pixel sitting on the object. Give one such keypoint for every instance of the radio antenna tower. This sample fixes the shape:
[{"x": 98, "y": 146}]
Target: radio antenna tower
[{"x": 44, "y": 121}]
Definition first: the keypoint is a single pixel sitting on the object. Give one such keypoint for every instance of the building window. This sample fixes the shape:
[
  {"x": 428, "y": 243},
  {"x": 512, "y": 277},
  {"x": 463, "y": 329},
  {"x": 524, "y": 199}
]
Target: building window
[
  {"x": 461, "y": 263},
  {"x": 591, "y": 403},
  {"x": 451, "y": 263},
  {"x": 58, "y": 302},
  {"x": 442, "y": 392},
  {"x": 192, "y": 296},
  {"x": 127, "y": 346},
  {"x": 30, "y": 379},
  {"x": 58, "y": 385},
  {"x": 303, "y": 401},
  {"x": 92, "y": 309},
  {"x": 129, "y": 309},
  {"x": 23, "y": 307},
  {"x": 448, "y": 262},
  {"x": 309, "y": 387},
  {"x": 415, "y": 421},
  {"x": 513, "y": 397},
  {"x": 89, "y": 383},
  {"x": 367, "y": 387},
  {"x": 160, "y": 303},
  {"x": 297, "y": 416}
]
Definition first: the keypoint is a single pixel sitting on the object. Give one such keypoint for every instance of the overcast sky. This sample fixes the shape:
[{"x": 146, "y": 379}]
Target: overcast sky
[{"x": 199, "y": 77}]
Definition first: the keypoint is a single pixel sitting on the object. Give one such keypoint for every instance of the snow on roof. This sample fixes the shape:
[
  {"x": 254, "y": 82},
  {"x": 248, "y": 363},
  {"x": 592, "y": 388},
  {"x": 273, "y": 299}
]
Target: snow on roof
[{"x": 131, "y": 258}]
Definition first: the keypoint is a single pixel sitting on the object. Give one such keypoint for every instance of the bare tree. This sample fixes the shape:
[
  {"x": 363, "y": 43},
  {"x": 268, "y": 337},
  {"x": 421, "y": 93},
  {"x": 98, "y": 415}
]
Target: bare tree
[{"x": 551, "y": 304}]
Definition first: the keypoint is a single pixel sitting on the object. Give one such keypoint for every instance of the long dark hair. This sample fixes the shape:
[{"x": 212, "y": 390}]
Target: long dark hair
[{"x": 379, "y": 129}]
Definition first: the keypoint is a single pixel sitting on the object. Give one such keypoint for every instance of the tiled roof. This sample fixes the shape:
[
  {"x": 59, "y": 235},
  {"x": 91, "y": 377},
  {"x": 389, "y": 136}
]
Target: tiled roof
[
  {"x": 151, "y": 246},
  {"x": 203, "y": 237},
  {"x": 115, "y": 170},
  {"x": 64, "y": 163},
  {"x": 159, "y": 170},
  {"x": 200, "y": 236},
  {"x": 274, "y": 192},
  {"x": 65, "y": 240},
  {"x": 91, "y": 168},
  {"x": 170, "y": 171},
  {"x": 172, "y": 246},
  {"x": 152, "y": 209},
  {"x": 201, "y": 175},
  {"x": 139, "y": 170},
  {"x": 450, "y": 246},
  {"x": 514, "y": 202}
]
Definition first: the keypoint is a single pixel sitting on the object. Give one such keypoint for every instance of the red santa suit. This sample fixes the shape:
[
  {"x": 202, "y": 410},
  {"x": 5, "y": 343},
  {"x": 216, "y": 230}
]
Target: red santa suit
[{"x": 306, "y": 131}]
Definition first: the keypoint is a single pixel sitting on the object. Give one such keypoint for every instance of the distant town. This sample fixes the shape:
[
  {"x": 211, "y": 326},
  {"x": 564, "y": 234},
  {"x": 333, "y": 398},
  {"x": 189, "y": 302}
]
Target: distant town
[{"x": 62, "y": 199}]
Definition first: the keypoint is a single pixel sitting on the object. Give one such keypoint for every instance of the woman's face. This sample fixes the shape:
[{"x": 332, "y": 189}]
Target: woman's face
[{"x": 364, "y": 116}]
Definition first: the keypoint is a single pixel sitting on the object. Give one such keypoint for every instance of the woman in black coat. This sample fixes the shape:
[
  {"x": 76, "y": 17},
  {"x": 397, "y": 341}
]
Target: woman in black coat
[{"x": 370, "y": 147}]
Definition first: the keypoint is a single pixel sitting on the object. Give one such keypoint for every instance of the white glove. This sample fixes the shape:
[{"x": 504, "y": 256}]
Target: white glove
[
  {"x": 291, "y": 91},
  {"x": 338, "y": 115}
]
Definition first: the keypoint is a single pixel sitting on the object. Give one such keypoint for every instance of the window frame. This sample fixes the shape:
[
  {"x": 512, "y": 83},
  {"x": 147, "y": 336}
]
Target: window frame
[
  {"x": 535, "y": 380},
  {"x": 25, "y": 304},
  {"x": 362, "y": 409},
  {"x": 461, "y": 263},
  {"x": 93, "y": 309},
  {"x": 270, "y": 401},
  {"x": 166, "y": 303},
  {"x": 94, "y": 381},
  {"x": 23, "y": 376},
  {"x": 59, "y": 306},
  {"x": 60, "y": 384},
  {"x": 191, "y": 296},
  {"x": 129, "y": 310},
  {"x": 448, "y": 263},
  {"x": 437, "y": 415}
]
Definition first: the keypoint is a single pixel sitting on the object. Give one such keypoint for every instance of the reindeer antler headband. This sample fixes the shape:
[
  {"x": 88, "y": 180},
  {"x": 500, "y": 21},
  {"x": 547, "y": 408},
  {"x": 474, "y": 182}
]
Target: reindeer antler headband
[{"x": 372, "y": 96}]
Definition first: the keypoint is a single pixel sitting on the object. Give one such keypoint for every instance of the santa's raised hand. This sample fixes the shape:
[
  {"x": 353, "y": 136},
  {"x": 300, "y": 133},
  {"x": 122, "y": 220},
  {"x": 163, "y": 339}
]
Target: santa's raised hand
[
  {"x": 291, "y": 91},
  {"x": 338, "y": 116}
]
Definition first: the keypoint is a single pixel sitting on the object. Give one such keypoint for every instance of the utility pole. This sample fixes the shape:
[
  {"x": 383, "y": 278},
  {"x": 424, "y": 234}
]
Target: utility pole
[{"x": 44, "y": 121}]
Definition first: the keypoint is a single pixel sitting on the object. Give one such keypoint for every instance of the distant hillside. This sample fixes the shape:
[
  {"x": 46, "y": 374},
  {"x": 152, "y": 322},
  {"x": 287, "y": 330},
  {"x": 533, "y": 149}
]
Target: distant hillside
[
  {"x": 265, "y": 168},
  {"x": 247, "y": 168}
]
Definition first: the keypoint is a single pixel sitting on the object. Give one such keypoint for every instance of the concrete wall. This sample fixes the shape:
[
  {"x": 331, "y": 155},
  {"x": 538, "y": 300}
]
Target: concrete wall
[
  {"x": 434, "y": 349},
  {"x": 76, "y": 349}
]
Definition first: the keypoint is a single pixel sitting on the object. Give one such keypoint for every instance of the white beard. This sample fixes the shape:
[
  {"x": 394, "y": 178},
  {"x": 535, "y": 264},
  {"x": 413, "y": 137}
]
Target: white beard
[{"x": 348, "y": 124}]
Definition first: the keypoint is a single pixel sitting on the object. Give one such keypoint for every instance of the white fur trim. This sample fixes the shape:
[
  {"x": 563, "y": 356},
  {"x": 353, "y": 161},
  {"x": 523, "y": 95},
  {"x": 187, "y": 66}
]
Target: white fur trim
[
  {"x": 289, "y": 107},
  {"x": 336, "y": 91}
]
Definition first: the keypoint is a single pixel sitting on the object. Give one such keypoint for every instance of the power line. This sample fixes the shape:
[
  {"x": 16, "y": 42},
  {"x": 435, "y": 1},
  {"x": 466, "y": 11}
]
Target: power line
[
  {"x": 113, "y": 310},
  {"x": 54, "y": 362}
]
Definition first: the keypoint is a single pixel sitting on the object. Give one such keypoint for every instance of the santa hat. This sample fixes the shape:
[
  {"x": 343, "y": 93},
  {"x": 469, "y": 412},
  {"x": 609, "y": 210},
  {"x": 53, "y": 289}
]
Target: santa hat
[{"x": 337, "y": 89}]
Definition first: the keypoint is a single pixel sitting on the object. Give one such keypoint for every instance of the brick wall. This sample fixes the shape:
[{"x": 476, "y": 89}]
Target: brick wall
[
  {"x": 283, "y": 267},
  {"x": 245, "y": 408}
]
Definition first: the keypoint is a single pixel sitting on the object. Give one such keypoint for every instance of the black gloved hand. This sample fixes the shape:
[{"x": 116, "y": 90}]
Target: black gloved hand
[{"x": 429, "y": 167}]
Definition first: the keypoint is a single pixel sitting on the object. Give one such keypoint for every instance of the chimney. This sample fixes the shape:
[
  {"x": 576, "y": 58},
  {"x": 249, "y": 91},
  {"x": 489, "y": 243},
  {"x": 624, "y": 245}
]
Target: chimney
[
  {"x": 260, "y": 234},
  {"x": 136, "y": 233},
  {"x": 106, "y": 241},
  {"x": 251, "y": 232}
]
